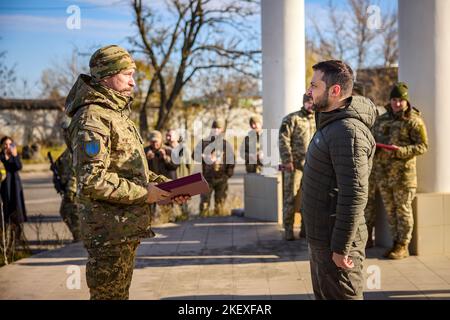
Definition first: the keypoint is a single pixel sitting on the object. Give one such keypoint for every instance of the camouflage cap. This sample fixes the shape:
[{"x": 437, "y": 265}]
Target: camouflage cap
[
  {"x": 155, "y": 136},
  {"x": 218, "y": 124},
  {"x": 400, "y": 90},
  {"x": 255, "y": 119},
  {"x": 110, "y": 60}
]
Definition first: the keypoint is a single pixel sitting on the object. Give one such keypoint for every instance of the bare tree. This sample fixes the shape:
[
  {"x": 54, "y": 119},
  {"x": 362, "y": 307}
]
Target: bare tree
[
  {"x": 7, "y": 77},
  {"x": 189, "y": 40},
  {"x": 58, "y": 79},
  {"x": 389, "y": 45},
  {"x": 330, "y": 42},
  {"x": 349, "y": 34},
  {"x": 226, "y": 93},
  {"x": 362, "y": 35}
]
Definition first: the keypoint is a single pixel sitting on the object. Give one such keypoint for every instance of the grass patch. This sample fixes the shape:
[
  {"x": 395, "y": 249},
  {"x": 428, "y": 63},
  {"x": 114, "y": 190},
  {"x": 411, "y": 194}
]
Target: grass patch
[
  {"x": 18, "y": 254},
  {"x": 55, "y": 150}
]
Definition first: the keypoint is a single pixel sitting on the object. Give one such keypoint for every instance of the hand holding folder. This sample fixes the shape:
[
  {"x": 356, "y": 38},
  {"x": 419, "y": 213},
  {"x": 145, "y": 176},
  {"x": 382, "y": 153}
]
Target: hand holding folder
[{"x": 191, "y": 186}]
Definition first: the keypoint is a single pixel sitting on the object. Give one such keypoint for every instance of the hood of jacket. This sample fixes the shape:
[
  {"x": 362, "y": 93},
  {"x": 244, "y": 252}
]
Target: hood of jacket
[
  {"x": 357, "y": 107},
  {"x": 84, "y": 93}
]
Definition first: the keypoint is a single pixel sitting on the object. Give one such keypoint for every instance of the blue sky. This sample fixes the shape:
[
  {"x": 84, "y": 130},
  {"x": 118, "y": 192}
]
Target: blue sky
[{"x": 35, "y": 35}]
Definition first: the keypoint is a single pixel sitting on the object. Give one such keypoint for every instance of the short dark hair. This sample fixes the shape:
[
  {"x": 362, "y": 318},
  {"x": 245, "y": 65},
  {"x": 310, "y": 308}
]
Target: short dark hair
[
  {"x": 336, "y": 72},
  {"x": 307, "y": 98},
  {"x": 4, "y": 139}
]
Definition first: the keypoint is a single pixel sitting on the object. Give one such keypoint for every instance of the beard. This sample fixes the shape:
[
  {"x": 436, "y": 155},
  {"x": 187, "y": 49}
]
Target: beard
[
  {"x": 322, "y": 102},
  {"x": 127, "y": 92}
]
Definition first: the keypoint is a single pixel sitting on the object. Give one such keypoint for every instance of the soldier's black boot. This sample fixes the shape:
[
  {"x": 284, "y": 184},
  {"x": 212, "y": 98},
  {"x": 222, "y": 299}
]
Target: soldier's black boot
[
  {"x": 289, "y": 234},
  {"x": 302, "y": 233},
  {"x": 369, "y": 243}
]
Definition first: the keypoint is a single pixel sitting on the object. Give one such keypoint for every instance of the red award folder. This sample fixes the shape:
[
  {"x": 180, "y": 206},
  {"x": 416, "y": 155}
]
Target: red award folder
[
  {"x": 386, "y": 146},
  {"x": 191, "y": 185}
]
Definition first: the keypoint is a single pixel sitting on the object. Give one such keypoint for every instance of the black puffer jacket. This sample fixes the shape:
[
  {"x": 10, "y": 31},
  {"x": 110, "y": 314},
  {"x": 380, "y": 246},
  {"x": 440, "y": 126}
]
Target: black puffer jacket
[{"x": 336, "y": 176}]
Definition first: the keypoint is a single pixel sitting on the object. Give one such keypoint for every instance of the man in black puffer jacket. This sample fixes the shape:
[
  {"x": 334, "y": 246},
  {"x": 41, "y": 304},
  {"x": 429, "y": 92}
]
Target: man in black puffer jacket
[{"x": 335, "y": 182}]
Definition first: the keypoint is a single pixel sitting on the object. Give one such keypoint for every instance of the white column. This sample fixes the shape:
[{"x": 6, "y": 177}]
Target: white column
[
  {"x": 424, "y": 40},
  {"x": 283, "y": 49}
]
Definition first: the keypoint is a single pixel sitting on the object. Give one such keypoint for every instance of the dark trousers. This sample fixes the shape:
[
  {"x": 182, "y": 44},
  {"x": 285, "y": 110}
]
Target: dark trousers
[{"x": 333, "y": 283}]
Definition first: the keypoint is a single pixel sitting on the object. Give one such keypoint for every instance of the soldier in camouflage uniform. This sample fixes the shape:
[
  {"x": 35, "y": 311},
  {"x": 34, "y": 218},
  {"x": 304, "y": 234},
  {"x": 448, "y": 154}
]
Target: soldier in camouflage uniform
[
  {"x": 218, "y": 161},
  {"x": 159, "y": 158},
  {"x": 115, "y": 185},
  {"x": 64, "y": 168},
  {"x": 394, "y": 171},
  {"x": 251, "y": 147},
  {"x": 174, "y": 142},
  {"x": 295, "y": 134}
]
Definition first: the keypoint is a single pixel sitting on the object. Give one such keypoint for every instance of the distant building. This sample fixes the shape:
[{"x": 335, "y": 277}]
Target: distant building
[
  {"x": 376, "y": 83},
  {"x": 31, "y": 121}
]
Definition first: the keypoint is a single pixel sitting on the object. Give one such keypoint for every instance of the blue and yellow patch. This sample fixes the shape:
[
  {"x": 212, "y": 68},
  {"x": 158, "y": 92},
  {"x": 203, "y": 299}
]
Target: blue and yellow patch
[{"x": 92, "y": 148}]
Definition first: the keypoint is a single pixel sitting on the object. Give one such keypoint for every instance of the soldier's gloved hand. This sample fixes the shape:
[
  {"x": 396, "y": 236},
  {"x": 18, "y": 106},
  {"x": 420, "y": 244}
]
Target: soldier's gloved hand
[
  {"x": 181, "y": 199},
  {"x": 156, "y": 194}
]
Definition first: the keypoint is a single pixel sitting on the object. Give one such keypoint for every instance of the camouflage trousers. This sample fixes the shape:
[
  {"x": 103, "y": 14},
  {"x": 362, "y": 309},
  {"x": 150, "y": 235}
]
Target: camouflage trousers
[
  {"x": 220, "y": 188},
  {"x": 109, "y": 271},
  {"x": 70, "y": 216},
  {"x": 398, "y": 205},
  {"x": 370, "y": 211},
  {"x": 253, "y": 168},
  {"x": 291, "y": 197},
  {"x": 333, "y": 283}
]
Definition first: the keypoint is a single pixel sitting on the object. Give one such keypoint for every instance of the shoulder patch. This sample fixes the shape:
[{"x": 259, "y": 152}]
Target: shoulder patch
[{"x": 92, "y": 148}]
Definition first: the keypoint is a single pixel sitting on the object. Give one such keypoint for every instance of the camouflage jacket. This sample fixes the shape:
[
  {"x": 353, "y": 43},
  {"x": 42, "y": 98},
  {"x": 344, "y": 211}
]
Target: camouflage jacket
[
  {"x": 66, "y": 173},
  {"x": 296, "y": 131},
  {"x": 163, "y": 164},
  {"x": 110, "y": 166},
  {"x": 183, "y": 160},
  {"x": 398, "y": 168},
  {"x": 217, "y": 158},
  {"x": 252, "y": 147}
]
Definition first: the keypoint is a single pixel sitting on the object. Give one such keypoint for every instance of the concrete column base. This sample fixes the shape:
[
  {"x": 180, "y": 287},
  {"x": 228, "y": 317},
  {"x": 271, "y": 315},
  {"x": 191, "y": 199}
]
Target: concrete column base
[
  {"x": 263, "y": 197},
  {"x": 431, "y": 235}
]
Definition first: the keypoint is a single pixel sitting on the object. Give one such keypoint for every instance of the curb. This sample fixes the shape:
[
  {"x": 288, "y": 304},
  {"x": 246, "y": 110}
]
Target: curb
[{"x": 32, "y": 168}]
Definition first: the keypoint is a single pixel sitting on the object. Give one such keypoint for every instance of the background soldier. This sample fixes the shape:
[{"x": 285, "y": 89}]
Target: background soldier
[
  {"x": 66, "y": 173},
  {"x": 403, "y": 128},
  {"x": 114, "y": 182},
  {"x": 218, "y": 163},
  {"x": 251, "y": 148},
  {"x": 173, "y": 141},
  {"x": 159, "y": 159},
  {"x": 295, "y": 134}
]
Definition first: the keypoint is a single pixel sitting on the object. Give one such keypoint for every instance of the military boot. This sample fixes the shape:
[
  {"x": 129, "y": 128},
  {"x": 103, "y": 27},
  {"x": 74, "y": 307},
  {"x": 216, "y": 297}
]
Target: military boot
[
  {"x": 369, "y": 243},
  {"x": 401, "y": 251},
  {"x": 205, "y": 212},
  {"x": 388, "y": 252},
  {"x": 289, "y": 234},
  {"x": 302, "y": 233}
]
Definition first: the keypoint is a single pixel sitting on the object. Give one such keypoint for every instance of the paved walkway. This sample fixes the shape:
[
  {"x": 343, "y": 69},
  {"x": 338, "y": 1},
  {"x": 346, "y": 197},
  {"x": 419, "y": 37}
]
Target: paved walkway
[{"x": 221, "y": 258}]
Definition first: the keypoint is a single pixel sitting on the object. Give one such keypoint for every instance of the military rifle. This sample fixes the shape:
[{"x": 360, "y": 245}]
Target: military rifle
[{"x": 56, "y": 178}]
